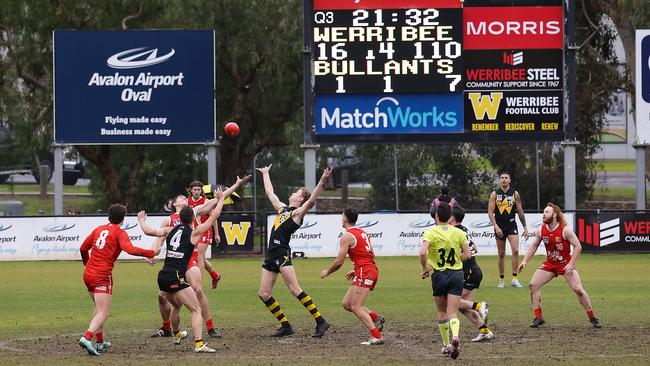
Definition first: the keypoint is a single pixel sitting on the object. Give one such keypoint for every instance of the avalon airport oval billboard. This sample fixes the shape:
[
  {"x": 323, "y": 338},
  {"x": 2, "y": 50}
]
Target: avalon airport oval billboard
[{"x": 134, "y": 87}]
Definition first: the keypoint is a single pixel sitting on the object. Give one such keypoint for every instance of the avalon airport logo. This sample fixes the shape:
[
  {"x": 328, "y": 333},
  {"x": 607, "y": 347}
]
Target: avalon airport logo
[
  {"x": 4, "y": 227},
  {"x": 58, "y": 227},
  {"x": 133, "y": 58},
  {"x": 128, "y": 226},
  {"x": 307, "y": 224}
]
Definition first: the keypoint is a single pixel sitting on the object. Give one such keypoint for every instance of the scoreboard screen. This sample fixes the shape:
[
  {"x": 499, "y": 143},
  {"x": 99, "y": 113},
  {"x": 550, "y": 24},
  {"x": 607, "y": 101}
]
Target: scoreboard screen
[
  {"x": 434, "y": 70},
  {"x": 406, "y": 47}
]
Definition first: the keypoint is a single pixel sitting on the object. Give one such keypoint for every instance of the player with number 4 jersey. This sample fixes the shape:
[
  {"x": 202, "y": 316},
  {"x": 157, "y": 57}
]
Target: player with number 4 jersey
[
  {"x": 356, "y": 244},
  {"x": 105, "y": 244}
]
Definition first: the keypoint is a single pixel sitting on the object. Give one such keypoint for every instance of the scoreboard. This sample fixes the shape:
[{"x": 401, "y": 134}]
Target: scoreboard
[
  {"x": 397, "y": 70},
  {"x": 414, "y": 50}
]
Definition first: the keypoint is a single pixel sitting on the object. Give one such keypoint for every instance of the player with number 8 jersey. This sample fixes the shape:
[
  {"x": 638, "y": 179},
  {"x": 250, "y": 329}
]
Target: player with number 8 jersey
[{"x": 105, "y": 244}]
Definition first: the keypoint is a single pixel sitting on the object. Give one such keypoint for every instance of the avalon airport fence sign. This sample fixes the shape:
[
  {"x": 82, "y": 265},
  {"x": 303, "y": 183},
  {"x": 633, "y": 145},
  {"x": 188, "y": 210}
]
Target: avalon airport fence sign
[
  {"x": 391, "y": 234},
  {"x": 59, "y": 238},
  {"x": 134, "y": 87},
  {"x": 444, "y": 70}
]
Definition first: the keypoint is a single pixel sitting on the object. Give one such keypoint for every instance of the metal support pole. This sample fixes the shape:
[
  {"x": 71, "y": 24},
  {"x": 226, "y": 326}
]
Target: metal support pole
[
  {"x": 570, "y": 142},
  {"x": 396, "y": 178},
  {"x": 307, "y": 93},
  {"x": 212, "y": 161},
  {"x": 310, "y": 166},
  {"x": 640, "y": 176},
  {"x": 537, "y": 174},
  {"x": 255, "y": 184},
  {"x": 570, "y": 174},
  {"x": 58, "y": 179}
]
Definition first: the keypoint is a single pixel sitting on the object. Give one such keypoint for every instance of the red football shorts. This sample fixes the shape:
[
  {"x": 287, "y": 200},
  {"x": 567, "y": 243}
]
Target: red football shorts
[
  {"x": 206, "y": 238},
  {"x": 99, "y": 284},
  {"x": 556, "y": 269},
  {"x": 365, "y": 276},
  {"x": 194, "y": 260}
]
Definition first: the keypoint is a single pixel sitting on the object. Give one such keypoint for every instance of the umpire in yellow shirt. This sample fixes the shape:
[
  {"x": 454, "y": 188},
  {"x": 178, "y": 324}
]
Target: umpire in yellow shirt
[{"x": 444, "y": 248}]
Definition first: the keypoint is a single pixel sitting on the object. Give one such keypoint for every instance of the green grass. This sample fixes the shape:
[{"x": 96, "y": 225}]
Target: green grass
[
  {"x": 616, "y": 194},
  {"x": 20, "y": 188},
  {"x": 618, "y": 165},
  {"x": 40, "y": 299},
  {"x": 352, "y": 192},
  {"x": 35, "y": 205}
]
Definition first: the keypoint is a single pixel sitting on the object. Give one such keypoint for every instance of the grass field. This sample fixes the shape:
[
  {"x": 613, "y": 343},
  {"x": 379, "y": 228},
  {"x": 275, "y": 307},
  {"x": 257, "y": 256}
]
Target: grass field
[{"x": 45, "y": 309}]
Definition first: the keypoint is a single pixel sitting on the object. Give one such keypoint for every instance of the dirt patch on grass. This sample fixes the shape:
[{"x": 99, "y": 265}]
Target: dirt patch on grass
[{"x": 405, "y": 344}]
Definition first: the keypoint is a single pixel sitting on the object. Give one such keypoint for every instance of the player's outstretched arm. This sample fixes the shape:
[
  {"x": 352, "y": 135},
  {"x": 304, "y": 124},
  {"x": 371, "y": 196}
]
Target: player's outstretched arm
[
  {"x": 530, "y": 252},
  {"x": 238, "y": 183},
  {"x": 301, "y": 211},
  {"x": 148, "y": 230},
  {"x": 125, "y": 244},
  {"x": 346, "y": 240},
  {"x": 202, "y": 228},
  {"x": 268, "y": 187}
]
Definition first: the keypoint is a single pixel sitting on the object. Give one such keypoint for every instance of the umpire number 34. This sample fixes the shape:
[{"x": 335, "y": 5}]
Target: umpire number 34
[{"x": 444, "y": 258}]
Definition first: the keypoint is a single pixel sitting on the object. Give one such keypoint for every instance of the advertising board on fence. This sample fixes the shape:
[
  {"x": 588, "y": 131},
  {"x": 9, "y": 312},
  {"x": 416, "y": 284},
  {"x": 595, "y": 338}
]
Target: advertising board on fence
[
  {"x": 614, "y": 231},
  {"x": 236, "y": 232},
  {"x": 59, "y": 238},
  {"x": 140, "y": 86},
  {"x": 396, "y": 234}
]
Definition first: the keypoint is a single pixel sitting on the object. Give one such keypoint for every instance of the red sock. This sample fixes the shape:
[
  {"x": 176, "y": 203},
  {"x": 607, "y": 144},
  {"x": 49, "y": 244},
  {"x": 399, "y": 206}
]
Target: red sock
[
  {"x": 167, "y": 325},
  {"x": 375, "y": 333},
  {"x": 88, "y": 335},
  {"x": 208, "y": 324},
  {"x": 100, "y": 337},
  {"x": 538, "y": 312},
  {"x": 590, "y": 313},
  {"x": 214, "y": 275},
  {"x": 373, "y": 316}
]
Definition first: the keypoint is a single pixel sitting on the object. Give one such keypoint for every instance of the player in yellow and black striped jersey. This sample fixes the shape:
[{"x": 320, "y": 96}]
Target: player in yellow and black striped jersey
[
  {"x": 278, "y": 254},
  {"x": 503, "y": 204}
]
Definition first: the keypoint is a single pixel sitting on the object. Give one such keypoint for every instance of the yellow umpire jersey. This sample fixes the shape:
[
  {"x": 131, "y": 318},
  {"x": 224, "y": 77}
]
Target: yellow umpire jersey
[{"x": 445, "y": 246}]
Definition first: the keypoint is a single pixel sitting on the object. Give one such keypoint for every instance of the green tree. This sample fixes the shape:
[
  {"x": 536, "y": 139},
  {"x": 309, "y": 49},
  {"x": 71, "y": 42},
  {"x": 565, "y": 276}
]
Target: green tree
[
  {"x": 259, "y": 83},
  {"x": 421, "y": 171}
]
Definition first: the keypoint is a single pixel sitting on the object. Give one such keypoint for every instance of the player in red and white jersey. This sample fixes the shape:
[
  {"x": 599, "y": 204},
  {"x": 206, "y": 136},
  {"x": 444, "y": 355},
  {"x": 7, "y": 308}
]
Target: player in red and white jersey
[
  {"x": 196, "y": 198},
  {"x": 105, "y": 244},
  {"x": 558, "y": 239},
  {"x": 356, "y": 244}
]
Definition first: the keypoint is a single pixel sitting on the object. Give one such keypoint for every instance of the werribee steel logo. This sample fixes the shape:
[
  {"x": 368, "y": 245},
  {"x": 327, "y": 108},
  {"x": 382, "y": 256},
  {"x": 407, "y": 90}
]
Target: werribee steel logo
[
  {"x": 4, "y": 227},
  {"x": 132, "y": 59},
  {"x": 58, "y": 227}
]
